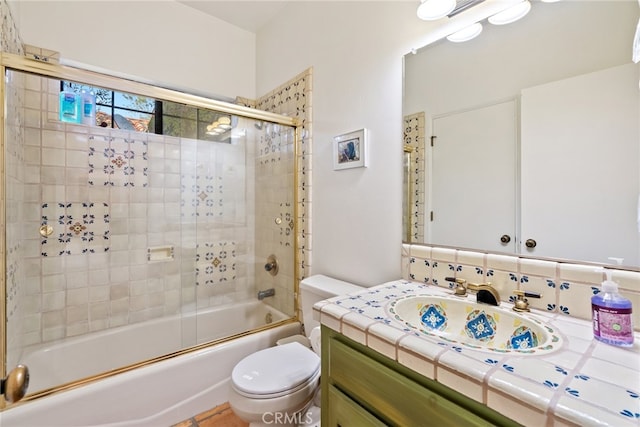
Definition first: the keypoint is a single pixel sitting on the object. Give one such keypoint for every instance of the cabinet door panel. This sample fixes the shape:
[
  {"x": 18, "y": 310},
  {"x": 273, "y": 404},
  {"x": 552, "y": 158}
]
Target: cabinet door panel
[
  {"x": 344, "y": 412},
  {"x": 390, "y": 396}
]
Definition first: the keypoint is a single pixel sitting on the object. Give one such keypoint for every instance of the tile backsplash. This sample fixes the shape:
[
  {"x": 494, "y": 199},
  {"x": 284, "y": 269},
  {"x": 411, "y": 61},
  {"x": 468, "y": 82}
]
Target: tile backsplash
[{"x": 565, "y": 288}]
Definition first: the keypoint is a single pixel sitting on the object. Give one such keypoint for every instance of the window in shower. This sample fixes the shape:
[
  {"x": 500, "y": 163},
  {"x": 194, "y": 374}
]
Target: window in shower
[
  {"x": 128, "y": 111},
  {"x": 116, "y": 109}
]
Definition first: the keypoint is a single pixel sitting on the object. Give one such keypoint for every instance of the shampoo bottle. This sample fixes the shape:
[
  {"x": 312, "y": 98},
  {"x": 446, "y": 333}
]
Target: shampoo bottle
[
  {"x": 611, "y": 313},
  {"x": 70, "y": 107},
  {"x": 88, "y": 108}
]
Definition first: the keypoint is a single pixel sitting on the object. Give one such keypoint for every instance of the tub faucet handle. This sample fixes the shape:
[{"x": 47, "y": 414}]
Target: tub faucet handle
[{"x": 272, "y": 265}]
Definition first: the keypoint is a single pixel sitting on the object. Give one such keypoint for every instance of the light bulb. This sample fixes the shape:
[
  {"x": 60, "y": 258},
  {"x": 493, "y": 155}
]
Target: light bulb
[{"x": 430, "y": 10}]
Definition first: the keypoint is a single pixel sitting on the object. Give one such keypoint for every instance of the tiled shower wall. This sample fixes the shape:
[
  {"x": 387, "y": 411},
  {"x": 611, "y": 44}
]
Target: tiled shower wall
[
  {"x": 14, "y": 163},
  {"x": 565, "y": 288},
  {"x": 115, "y": 199},
  {"x": 274, "y": 202}
]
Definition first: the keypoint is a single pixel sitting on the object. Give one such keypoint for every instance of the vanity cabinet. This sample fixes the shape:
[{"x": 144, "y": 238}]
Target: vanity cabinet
[{"x": 361, "y": 387}]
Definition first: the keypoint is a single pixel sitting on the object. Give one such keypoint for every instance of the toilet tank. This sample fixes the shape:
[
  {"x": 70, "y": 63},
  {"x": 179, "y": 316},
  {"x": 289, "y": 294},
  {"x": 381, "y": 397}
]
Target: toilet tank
[{"x": 317, "y": 288}]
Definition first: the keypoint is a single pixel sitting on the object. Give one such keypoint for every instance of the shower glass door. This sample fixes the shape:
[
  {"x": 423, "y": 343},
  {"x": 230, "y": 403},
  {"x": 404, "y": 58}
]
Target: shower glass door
[{"x": 139, "y": 235}]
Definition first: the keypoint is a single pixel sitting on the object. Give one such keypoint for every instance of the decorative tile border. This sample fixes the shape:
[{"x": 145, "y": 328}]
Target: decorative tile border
[
  {"x": 414, "y": 138},
  {"x": 565, "y": 288},
  {"x": 294, "y": 98}
]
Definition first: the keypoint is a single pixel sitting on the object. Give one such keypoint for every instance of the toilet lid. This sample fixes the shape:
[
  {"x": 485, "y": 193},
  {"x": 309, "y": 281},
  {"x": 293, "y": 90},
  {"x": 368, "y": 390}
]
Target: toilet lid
[{"x": 275, "y": 369}]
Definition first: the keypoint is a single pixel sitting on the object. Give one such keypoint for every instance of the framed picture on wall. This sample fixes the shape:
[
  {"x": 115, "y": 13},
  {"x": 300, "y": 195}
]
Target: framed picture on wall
[{"x": 350, "y": 150}]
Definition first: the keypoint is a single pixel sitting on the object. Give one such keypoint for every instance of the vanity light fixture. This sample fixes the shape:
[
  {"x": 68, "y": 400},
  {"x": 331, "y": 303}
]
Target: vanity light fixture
[
  {"x": 430, "y": 10},
  {"x": 511, "y": 14},
  {"x": 466, "y": 34},
  {"x": 220, "y": 126}
]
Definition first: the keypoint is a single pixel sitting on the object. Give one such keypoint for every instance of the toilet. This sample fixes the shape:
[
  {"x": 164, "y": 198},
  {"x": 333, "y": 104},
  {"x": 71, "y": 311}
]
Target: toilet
[{"x": 277, "y": 385}]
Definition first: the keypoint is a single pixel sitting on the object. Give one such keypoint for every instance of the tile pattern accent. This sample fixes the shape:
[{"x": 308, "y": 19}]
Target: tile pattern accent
[
  {"x": 583, "y": 383},
  {"x": 287, "y": 225},
  {"x": 565, "y": 288},
  {"x": 117, "y": 161},
  {"x": 215, "y": 263},
  {"x": 202, "y": 196},
  {"x": 414, "y": 137},
  {"x": 78, "y": 228}
]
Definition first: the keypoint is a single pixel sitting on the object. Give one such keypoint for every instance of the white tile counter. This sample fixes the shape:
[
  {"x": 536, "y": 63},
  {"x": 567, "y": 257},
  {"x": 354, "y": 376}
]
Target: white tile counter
[{"x": 583, "y": 383}]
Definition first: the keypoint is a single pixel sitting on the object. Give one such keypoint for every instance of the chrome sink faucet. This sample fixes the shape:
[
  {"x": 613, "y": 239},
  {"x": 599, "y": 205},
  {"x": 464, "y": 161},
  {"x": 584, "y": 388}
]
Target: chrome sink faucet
[{"x": 485, "y": 293}]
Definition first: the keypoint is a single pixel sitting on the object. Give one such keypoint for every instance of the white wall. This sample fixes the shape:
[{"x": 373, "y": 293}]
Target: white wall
[
  {"x": 356, "y": 51},
  {"x": 163, "y": 41}
]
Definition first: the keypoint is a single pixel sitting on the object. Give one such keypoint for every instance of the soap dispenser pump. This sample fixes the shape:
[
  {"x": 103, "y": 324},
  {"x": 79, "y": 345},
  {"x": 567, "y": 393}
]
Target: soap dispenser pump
[{"x": 611, "y": 314}]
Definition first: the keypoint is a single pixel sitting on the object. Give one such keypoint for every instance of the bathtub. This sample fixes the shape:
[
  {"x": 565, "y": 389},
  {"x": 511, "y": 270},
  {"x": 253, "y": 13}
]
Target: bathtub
[
  {"x": 84, "y": 356},
  {"x": 161, "y": 393}
]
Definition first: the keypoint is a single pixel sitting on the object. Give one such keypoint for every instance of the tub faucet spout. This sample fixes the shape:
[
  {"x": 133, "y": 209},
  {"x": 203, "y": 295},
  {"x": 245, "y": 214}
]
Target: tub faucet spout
[{"x": 266, "y": 293}]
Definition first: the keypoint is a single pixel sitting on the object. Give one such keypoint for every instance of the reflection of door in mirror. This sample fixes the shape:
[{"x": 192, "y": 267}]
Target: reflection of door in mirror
[
  {"x": 473, "y": 177},
  {"x": 586, "y": 206}
]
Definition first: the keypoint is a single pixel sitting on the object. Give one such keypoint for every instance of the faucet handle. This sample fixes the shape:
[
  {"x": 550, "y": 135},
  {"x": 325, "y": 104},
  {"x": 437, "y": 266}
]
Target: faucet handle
[
  {"x": 522, "y": 304},
  {"x": 460, "y": 290}
]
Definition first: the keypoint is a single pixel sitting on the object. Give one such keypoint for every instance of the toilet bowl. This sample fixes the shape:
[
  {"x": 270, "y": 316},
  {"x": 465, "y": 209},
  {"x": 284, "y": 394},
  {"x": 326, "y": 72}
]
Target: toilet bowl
[{"x": 277, "y": 385}]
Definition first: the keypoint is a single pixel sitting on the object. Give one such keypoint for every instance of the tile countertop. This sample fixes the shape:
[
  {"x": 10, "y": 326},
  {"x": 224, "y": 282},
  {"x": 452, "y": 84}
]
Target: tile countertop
[{"x": 583, "y": 383}]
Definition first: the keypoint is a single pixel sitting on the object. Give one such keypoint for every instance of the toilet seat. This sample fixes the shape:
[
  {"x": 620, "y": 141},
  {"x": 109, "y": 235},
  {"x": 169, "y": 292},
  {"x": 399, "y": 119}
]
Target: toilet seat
[{"x": 275, "y": 371}]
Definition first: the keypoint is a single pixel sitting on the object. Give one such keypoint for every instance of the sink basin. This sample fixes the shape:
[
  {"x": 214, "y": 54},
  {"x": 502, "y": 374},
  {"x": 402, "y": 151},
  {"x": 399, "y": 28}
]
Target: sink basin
[{"x": 478, "y": 326}]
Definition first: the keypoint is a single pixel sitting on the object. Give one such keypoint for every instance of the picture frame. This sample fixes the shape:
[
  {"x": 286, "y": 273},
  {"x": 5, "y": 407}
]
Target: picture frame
[{"x": 350, "y": 150}]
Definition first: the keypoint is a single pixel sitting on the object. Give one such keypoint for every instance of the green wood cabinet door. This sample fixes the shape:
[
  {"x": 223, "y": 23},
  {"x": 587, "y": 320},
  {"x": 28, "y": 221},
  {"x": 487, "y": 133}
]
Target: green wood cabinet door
[
  {"x": 346, "y": 413},
  {"x": 389, "y": 392}
]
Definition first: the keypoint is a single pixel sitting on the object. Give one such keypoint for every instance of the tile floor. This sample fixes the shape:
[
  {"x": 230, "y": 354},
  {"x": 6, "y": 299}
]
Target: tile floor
[{"x": 220, "y": 416}]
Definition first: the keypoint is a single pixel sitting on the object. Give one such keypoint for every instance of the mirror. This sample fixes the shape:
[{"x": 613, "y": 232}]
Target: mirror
[{"x": 526, "y": 139}]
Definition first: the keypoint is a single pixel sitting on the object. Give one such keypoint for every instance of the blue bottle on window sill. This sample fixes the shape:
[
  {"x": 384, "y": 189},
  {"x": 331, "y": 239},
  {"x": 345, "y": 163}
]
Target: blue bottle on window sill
[{"x": 70, "y": 107}]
